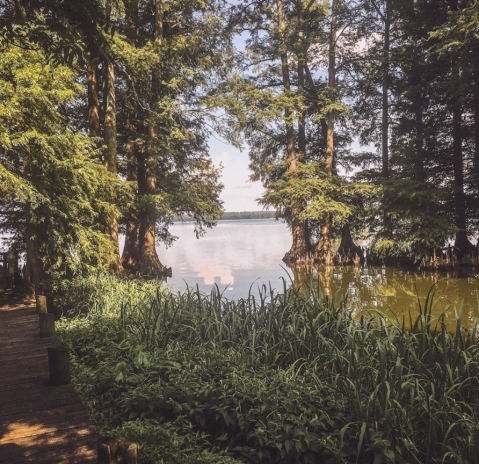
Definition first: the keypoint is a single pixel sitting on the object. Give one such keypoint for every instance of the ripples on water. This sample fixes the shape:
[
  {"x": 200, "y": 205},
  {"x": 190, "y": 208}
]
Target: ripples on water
[{"x": 238, "y": 254}]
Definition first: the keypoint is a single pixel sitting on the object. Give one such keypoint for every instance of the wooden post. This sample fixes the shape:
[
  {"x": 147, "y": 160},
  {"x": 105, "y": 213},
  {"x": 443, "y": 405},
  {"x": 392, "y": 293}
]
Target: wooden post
[
  {"x": 59, "y": 366},
  {"x": 47, "y": 325},
  {"x": 41, "y": 304},
  {"x": 129, "y": 451},
  {"x": 117, "y": 451}
]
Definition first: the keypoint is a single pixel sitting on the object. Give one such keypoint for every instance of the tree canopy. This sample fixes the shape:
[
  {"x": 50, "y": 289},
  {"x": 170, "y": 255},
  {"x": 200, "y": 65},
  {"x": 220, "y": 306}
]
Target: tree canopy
[{"x": 360, "y": 116}]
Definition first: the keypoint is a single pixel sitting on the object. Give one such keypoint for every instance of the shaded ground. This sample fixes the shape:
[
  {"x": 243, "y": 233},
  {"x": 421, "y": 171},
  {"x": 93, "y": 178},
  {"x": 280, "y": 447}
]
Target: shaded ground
[{"x": 38, "y": 423}]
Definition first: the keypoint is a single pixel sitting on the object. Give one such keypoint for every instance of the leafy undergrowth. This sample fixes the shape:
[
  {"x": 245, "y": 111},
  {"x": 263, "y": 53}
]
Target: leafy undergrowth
[{"x": 283, "y": 379}]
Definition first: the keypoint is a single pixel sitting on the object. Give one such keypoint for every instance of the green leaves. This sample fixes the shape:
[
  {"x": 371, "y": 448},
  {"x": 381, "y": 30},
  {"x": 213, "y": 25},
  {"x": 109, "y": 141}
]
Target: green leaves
[
  {"x": 48, "y": 171},
  {"x": 291, "y": 378}
]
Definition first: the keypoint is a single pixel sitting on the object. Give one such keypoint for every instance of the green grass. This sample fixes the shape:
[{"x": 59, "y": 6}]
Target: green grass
[{"x": 280, "y": 378}]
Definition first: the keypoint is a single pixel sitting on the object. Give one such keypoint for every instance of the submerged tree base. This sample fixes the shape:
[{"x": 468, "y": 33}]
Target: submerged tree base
[{"x": 151, "y": 266}]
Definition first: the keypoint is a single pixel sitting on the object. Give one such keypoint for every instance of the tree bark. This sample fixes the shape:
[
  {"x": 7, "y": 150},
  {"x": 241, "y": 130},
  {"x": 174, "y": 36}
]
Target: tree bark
[
  {"x": 347, "y": 248},
  {"x": 385, "y": 93},
  {"x": 475, "y": 67},
  {"x": 131, "y": 252},
  {"x": 93, "y": 98},
  {"x": 462, "y": 243},
  {"x": 130, "y": 256},
  {"x": 149, "y": 261},
  {"x": 387, "y": 223},
  {"x": 33, "y": 265},
  {"x": 299, "y": 249},
  {"x": 418, "y": 104},
  {"x": 324, "y": 246},
  {"x": 110, "y": 160}
]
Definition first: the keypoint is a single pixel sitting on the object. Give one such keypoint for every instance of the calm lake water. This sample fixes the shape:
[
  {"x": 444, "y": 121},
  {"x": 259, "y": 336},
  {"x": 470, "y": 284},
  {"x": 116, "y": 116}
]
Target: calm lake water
[{"x": 238, "y": 255}]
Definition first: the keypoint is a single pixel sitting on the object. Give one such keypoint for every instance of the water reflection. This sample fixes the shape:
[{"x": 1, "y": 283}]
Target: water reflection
[
  {"x": 237, "y": 254},
  {"x": 233, "y": 255},
  {"x": 398, "y": 293}
]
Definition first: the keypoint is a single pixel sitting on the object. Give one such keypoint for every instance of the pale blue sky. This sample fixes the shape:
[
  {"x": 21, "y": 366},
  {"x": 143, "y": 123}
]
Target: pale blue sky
[{"x": 239, "y": 192}]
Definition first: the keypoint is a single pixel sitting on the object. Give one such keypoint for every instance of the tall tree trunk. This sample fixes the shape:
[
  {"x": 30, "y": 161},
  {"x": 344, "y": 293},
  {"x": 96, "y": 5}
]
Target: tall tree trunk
[
  {"x": 131, "y": 255},
  {"x": 475, "y": 67},
  {"x": 93, "y": 98},
  {"x": 347, "y": 248},
  {"x": 110, "y": 160},
  {"x": 462, "y": 243},
  {"x": 131, "y": 252},
  {"x": 299, "y": 248},
  {"x": 33, "y": 265},
  {"x": 324, "y": 245},
  {"x": 385, "y": 112},
  {"x": 149, "y": 262},
  {"x": 301, "y": 79},
  {"x": 385, "y": 93},
  {"x": 419, "y": 173},
  {"x": 418, "y": 104}
]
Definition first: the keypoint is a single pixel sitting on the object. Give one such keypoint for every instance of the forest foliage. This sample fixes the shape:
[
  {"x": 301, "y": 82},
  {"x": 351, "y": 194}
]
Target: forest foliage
[
  {"x": 360, "y": 118},
  {"x": 276, "y": 378}
]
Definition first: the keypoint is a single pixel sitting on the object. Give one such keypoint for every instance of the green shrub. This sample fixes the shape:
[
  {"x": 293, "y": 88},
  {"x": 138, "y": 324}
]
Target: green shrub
[{"x": 283, "y": 378}]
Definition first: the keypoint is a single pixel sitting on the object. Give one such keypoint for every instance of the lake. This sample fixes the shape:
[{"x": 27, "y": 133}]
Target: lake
[{"x": 239, "y": 255}]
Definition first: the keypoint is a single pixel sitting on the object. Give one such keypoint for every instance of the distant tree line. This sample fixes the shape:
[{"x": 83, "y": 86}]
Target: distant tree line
[{"x": 228, "y": 216}]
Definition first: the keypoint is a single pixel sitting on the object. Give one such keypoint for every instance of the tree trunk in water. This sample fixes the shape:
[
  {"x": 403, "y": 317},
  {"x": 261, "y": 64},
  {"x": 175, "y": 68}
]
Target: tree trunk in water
[
  {"x": 131, "y": 252},
  {"x": 324, "y": 246},
  {"x": 385, "y": 96},
  {"x": 110, "y": 160},
  {"x": 347, "y": 248},
  {"x": 462, "y": 243},
  {"x": 93, "y": 98},
  {"x": 385, "y": 112},
  {"x": 418, "y": 104},
  {"x": 149, "y": 262},
  {"x": 299, "y": 249},
  {"x": 325, "y": 274}
]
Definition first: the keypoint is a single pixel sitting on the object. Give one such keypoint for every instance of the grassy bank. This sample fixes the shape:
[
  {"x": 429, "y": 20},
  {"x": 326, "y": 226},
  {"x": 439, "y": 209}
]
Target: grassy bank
[{"x": 287, "y": 379}]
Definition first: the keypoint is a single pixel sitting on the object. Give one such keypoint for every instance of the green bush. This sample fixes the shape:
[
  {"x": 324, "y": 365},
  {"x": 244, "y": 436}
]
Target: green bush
[{"x": 283, "y": 378}]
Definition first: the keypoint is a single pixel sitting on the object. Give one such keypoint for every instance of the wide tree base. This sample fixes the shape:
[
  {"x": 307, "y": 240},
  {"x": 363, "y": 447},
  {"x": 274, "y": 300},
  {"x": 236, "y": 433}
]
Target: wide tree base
[
  {"x": 348, "y": 252},
  {"x": 130, "y": 261},
  {"x": 463, "y": 247},
  {"x": 150, "y": 266},
  {"x": 298, "y": 257}
]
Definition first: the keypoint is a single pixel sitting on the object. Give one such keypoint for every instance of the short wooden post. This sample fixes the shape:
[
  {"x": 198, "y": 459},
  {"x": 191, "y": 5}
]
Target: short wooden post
[
  {"x": 117, "y": 451},
  {"x": 129, "y": 452},
  {"x": 47, "y": 325},
  {"x": 41, "y": 304},
  {"x": 59, "y": 366}
]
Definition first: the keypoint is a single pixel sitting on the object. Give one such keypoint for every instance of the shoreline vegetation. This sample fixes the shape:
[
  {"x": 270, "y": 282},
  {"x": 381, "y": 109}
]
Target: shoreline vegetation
[
  {"x": 280, "y": 378},
  {"x": 361, "y": 120}
]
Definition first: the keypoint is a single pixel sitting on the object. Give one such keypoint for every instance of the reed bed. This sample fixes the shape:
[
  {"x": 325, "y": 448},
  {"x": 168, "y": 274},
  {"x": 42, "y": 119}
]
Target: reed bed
[{"x": 288, "y": 377}]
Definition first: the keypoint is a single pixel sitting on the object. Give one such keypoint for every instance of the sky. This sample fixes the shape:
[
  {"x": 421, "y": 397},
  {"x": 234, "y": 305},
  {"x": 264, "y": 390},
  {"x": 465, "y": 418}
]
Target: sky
[{"x": 239, "y": 193}]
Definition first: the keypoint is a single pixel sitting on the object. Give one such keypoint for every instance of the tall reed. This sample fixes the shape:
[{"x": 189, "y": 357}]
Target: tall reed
[{"x": 322, "y": 385}]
